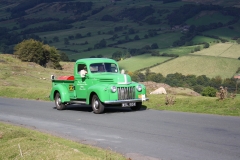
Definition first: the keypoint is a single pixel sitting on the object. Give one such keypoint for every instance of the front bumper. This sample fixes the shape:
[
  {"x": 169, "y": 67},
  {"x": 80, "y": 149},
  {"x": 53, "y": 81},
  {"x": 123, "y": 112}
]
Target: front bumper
[{"x": 125, "y": 101}]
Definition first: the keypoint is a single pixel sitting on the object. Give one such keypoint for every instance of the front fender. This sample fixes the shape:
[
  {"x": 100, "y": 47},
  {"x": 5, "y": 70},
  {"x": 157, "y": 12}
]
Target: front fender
[
  {"x": 63, "y": 92},
  {"x": 102, "y": 92}
]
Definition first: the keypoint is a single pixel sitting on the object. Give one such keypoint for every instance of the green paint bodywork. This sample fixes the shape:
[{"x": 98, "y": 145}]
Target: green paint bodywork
[{"x": 94, "y": 83}]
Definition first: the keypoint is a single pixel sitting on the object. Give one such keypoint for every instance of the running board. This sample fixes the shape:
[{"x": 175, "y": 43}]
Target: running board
[{"x": 78, "y": 102}]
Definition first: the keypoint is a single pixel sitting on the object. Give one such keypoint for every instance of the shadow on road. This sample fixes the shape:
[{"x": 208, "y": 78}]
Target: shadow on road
[{"x": 108, "y": 109}]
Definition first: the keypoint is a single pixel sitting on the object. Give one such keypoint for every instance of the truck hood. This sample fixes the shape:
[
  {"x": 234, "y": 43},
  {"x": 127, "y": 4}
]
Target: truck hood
[{"x": 113, "y": 78}]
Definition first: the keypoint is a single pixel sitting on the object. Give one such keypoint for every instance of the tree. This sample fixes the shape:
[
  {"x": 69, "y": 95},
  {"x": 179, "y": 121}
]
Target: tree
[
  {"x": 78, "y": 35},
  {"x": 35, "y": 51},
  {"x": 66, "y": 41},
  {"x": 56, "y": 39},
  {"x": 206, "y": 45},
  {"x": 198, "y": 48},
  {"x": 154, "y": 46},
  {"x": 136, "y": 37},
  {"x": 99, "y": 56},
  {"x": 198, "y": 88},
  {"x": 131, "y": 31},
  {"x": 64, "y": 57},
  {"x": 155, "y": 77},
  {"x": 101, "y": 44},
  {"x": 117, "y": 55},
  {"x": 89, "y": 34},
  {"x": 216, "y": 82}
]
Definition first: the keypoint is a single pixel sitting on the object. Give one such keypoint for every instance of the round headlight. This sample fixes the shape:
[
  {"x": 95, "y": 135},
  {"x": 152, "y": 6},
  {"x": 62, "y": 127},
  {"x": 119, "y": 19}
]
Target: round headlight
[
  {"x": 139, "y": 88},
  {"x": 113, "y": 89}
]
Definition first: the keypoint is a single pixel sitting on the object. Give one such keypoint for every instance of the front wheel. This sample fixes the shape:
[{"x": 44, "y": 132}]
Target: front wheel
[
  {"x": 137, "y": 107},
  {"x": 97, "y": 105},
  {"x": 58, "y": 102}
]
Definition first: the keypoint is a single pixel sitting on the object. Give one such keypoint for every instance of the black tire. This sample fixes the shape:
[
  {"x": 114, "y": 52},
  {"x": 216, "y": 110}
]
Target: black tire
[
  {"x": 97, "y": 105},
  {"x": 58, "y": 103},
  {"x": 137, "y": 107}
]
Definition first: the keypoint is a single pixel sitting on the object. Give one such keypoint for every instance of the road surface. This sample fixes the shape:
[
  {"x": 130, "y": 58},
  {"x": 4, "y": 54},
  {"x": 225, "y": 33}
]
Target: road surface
[{"x": 141, "y": 135}]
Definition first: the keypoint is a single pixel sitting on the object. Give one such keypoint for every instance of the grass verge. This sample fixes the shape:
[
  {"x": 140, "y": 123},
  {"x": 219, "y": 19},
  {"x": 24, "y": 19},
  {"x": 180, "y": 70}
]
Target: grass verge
[
  {"x": 198, "y": 104},
  {"x": 21, "y": 143}
]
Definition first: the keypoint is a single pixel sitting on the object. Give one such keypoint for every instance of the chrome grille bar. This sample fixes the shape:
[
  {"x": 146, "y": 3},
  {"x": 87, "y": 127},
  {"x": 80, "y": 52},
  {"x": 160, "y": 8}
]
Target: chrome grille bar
[{"x": 126, "y": 93}]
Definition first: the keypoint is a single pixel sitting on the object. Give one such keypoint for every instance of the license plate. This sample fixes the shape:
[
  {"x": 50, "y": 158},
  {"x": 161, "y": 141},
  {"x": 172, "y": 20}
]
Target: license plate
[{"x": 128, "y": 104}]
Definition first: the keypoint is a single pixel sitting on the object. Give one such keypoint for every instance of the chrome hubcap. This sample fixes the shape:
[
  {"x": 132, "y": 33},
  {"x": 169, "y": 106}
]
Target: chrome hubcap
[
  {"x": 96, "y": 105},
  {"x": 59, "y": 101}
]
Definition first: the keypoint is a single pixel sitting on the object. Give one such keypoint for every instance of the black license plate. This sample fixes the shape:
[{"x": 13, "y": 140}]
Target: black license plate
[{"x": 128, "y": 104}]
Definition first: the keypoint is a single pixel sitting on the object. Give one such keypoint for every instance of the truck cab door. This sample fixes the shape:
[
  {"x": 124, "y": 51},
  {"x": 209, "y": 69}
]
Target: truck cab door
[{"x": 81, "y": 83}]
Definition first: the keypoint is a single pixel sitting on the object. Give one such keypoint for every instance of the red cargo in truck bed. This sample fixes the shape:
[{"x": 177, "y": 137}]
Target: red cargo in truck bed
[{"x": 66, "y": 78}]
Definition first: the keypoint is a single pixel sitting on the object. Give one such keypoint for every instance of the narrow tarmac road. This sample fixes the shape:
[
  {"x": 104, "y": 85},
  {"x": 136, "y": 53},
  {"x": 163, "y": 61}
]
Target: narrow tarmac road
[{"x": 140, "y": 135}]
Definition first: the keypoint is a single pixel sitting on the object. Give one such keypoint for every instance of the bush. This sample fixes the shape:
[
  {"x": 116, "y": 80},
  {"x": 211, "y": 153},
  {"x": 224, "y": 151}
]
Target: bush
[
  {"x": 209, "y": 92},
  {"x": 238, "y": 40}
]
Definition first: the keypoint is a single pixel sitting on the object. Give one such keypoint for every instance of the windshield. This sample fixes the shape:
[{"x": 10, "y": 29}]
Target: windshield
[{"x": 103, "y": 67}]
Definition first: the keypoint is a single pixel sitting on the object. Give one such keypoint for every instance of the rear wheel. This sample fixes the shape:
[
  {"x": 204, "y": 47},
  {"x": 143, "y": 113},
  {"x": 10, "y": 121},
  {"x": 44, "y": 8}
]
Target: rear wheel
[
  {"x": 137, "y": 107},
  {"x": 97, "y": 105},
  {"x": 58, "y": 102}
]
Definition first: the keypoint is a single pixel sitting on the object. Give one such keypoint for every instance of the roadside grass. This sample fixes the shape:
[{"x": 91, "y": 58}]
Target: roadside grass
[
  {"x": 199, "y": 65},
  {"x": 25, "y": 93},
  {"x": 21, "y": 143},
  {"x": 146, "y": 61},
  {"x": 196, "y": 104},
  {"x": 229, "y": 50}
]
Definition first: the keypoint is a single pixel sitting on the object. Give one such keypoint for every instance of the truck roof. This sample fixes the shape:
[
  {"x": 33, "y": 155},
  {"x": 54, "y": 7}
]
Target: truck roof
[{"x": 95, "y": 60}]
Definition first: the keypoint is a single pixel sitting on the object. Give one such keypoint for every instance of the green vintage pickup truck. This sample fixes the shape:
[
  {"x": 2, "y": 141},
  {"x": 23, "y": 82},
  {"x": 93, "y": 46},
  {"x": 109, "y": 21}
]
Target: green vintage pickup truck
[{"x": 99, "y": 83}]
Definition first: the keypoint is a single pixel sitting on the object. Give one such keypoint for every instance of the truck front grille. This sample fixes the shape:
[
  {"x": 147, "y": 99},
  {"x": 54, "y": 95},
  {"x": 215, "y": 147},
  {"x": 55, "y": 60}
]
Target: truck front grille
[{"x": 126, "y": 93}]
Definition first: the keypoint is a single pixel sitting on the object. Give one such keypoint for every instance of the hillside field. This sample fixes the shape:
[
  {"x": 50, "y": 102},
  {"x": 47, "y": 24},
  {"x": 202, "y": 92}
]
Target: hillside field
[
  {"x": 199, "y": 65},
  {"x": 207, "y": 17},
  {"x": 228, "y": 50},
  {"x": 137, "y": 62},
  {"x": 149, "y": 28},
  {"x": 18, "y": 77}
]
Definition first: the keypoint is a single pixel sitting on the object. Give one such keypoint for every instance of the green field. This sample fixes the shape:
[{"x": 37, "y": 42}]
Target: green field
[
  {"x": 202, "y": 39},
  {"x": 106, "y": 52},
  {"x": 228, "y": 50},
  {"x": 163, "y": 40},
  {"x": 181, "y": 51},
  {"x": 207, "y": 17},
  {"x": 137, "y": 62},
  {"x": 224, "y": 33},
  {"x": 199, "y": 65},
  {"x": 225, "y": 3}
]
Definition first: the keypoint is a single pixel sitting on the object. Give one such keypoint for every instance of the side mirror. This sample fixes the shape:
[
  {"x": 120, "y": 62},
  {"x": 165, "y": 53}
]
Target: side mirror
[
  {"x": 122, "y": 71},
  {"x": 52, "y": 77}
]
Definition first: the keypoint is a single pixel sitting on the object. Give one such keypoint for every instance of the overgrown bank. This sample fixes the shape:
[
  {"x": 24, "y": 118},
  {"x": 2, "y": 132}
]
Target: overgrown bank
[{"x": 21, "y": 143}]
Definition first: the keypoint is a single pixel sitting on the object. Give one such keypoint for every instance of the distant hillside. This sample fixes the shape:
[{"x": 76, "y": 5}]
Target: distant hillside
[{"x": 120, "y": 29}]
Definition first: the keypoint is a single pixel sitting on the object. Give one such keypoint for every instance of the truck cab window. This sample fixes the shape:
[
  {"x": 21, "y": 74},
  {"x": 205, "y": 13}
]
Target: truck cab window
[{"x": 103, "y": 67}]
